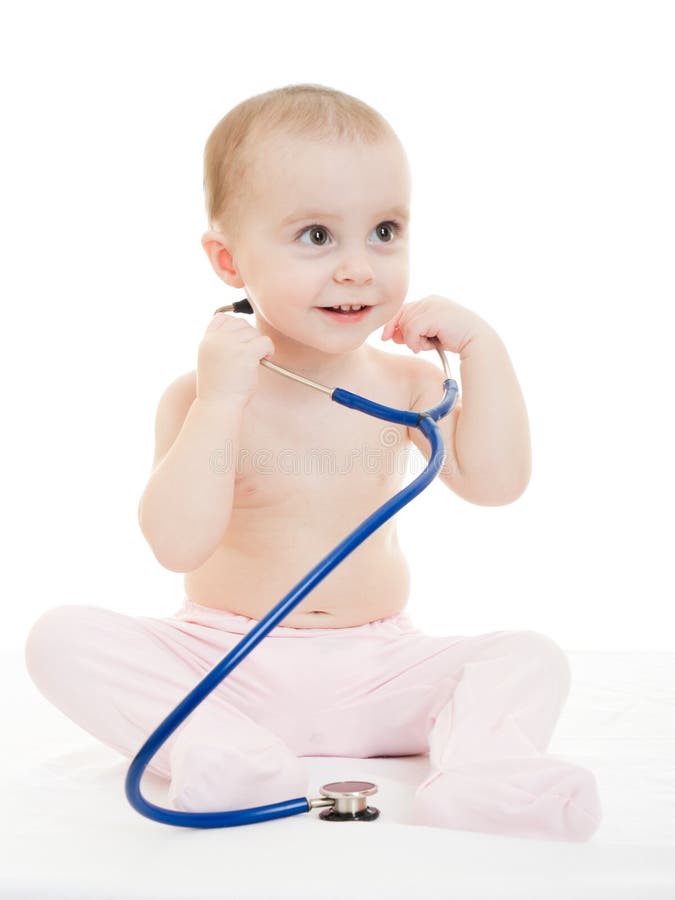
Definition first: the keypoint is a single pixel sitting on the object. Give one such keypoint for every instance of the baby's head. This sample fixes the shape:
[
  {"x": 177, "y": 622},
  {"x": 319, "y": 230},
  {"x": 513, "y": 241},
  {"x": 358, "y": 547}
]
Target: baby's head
[{"x": 300, "y": 156}]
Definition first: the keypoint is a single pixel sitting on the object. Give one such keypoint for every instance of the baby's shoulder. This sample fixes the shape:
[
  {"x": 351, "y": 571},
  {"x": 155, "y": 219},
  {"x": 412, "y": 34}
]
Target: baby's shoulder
[
  {"x": 397, "y": 368},
  {"x": 172, "y": 409},
  {"x": 188, "y": 381},
  {"x": 388, "y": 363},
  {"x": 424, "y": 376},
  {"x": 183, "y": 389}
]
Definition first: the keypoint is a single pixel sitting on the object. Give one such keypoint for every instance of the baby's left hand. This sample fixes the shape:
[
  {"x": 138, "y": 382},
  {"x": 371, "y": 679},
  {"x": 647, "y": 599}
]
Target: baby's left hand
[{"x": 434, "y": 316}]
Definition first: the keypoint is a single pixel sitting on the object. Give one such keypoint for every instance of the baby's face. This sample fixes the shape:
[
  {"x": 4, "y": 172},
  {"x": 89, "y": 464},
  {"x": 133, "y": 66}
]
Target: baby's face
[{"x": 325, "y": 224}]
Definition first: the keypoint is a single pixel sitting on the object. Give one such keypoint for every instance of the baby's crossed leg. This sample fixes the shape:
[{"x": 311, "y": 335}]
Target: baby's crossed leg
[
  {"x": 489, "y": 771},
  {"x": 501, "y": 694},
  {"x": 119, "y": 676}
]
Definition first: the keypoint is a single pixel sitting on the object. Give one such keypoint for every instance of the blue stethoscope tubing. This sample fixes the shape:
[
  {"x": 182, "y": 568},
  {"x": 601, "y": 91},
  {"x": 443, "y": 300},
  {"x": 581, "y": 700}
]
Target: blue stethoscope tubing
[{"x": 426, "y": 422}]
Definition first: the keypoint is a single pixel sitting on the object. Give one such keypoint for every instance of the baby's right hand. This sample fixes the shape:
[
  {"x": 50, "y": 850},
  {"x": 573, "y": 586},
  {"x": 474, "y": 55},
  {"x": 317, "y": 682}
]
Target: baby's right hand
[{"x": 229, "y": 359}]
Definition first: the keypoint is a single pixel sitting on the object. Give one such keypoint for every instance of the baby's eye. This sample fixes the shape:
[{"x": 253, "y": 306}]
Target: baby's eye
[
  {"x": 391, "y": 228},
  {"x": 312, "y": 231},
  {"x": 383, "y": 229}
]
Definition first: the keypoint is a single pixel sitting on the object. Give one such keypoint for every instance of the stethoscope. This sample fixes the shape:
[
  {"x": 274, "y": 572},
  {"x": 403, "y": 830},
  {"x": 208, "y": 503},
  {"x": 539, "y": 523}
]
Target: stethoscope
[{"x": 347, "y": 800}]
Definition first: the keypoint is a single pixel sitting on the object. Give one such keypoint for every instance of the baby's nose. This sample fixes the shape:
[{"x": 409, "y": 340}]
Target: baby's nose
[{"x": 356, "y": 271}]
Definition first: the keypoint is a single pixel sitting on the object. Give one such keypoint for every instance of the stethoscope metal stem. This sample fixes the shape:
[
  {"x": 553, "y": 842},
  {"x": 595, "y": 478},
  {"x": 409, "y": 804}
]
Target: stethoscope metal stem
[{"x": 296, "y": 377}]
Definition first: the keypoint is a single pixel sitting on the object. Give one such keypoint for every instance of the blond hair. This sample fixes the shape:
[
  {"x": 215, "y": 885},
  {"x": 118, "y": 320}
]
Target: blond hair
[{"x": 298, "y": 110}]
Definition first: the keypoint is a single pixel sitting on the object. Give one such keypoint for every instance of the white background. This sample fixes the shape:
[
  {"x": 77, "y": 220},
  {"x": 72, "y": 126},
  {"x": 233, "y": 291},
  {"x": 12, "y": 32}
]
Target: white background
[{"x": 540, "y": 137}]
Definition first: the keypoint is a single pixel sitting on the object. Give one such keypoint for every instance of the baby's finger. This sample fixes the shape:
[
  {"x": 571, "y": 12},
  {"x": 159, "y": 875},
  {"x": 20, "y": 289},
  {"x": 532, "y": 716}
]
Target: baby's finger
[
  {"x": 391, "y": 326},
  {"x": 217, "y": 321}
]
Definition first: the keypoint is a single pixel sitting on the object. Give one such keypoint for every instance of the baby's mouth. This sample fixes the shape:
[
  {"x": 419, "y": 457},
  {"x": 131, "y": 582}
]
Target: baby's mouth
[{"x": 351, "y": 311}]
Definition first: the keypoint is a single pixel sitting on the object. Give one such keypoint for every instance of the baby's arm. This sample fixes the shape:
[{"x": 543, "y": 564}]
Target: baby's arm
[
  {"x": 187, "y": 503},
  {"x": 487, "y": 434}
]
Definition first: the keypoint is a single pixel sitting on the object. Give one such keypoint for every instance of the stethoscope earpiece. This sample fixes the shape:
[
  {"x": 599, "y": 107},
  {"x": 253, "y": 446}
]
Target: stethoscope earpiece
[{"x": 239, "y": 306}]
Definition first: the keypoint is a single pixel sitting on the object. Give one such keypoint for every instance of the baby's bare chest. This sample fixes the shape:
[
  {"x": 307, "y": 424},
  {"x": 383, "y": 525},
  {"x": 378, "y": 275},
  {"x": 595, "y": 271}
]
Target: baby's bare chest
[
  {"x": 306, "y": 475},
  {"x": 333, "y": 458}
]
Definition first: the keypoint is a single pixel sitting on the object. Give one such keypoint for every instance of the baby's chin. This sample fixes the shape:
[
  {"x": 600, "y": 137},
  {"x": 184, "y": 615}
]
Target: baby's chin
[
  {"x": 330, "y": 337},
  {"x": 337, "y": 346}
]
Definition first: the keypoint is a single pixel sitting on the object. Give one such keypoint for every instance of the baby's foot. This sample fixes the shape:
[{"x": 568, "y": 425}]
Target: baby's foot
[
  {"x": 536, "y": 797},
  {"x": 214, "y": 778}
]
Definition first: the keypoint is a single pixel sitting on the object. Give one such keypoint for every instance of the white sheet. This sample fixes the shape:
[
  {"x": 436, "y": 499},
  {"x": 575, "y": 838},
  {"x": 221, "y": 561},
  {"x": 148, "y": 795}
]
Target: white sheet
[{"x": 69, "y": 832}]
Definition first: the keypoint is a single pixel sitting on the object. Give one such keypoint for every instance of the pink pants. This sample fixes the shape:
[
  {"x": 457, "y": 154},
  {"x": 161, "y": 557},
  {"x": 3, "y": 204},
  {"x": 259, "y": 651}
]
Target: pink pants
[{"x": 483, "y": 706}]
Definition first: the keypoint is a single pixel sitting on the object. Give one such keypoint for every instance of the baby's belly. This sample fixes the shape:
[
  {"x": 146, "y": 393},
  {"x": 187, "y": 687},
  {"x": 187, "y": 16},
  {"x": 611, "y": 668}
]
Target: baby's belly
[{"x": 251, "y": 577}]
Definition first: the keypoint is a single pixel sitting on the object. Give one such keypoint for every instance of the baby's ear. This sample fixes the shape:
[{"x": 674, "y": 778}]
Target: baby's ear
[{"x": 216, "y": 247}]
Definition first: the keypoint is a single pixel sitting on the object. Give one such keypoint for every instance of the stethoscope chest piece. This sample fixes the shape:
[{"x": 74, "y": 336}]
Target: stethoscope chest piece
[{"x": 348, "y": 801}]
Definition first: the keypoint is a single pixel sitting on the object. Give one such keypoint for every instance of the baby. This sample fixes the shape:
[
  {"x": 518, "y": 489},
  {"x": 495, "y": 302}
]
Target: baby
[{"x": 308, "y": 200}]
